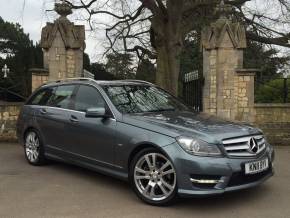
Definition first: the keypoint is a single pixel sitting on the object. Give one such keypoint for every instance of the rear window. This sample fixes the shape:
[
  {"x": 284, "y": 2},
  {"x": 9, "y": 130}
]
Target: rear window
[{"x": 42, "y": 97}]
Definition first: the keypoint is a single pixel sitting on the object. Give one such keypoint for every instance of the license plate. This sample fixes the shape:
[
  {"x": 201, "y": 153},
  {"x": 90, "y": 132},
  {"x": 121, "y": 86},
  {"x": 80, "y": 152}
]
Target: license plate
[{"x": 257, "y": 166}]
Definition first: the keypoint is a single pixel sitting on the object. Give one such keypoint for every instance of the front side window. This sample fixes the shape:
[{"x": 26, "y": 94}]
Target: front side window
[
  {"x": 140, "y": 98},
  {"x": 88, "y": 97},
  {"x": 42, "y": 97},
  {"x": 62, "y": 96}
]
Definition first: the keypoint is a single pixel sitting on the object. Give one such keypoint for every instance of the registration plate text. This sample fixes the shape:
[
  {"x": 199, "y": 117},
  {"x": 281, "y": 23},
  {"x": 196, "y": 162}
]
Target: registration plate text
[{"x": 257, "y": 166}]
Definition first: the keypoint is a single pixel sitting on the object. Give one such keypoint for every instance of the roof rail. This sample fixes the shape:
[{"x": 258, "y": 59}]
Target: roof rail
[
  {"x": 69, "y": 79},
  {"x": 89, "y": 79}
]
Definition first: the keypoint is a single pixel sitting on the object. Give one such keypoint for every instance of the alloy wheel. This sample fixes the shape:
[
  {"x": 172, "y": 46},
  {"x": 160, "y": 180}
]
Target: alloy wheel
[
  {"x": 32, "y": 147},
  {"x": 155, "y": 176}
]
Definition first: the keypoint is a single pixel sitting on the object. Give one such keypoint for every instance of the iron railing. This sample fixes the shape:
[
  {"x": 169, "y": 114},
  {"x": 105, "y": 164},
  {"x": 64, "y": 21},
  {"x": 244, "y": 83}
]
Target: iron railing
[
  {"x": 192, "y": 90},
  {"x": 8, "y": 94}
]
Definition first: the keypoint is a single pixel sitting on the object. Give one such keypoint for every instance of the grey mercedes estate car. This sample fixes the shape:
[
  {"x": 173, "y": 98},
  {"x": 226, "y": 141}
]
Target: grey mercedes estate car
[{"x": 138, "y": 132}]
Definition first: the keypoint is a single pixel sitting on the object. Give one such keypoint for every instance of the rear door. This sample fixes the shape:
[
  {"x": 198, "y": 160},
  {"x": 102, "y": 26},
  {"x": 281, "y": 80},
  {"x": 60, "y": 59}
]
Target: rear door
[
  {"x": 52, "y": 117},
  {"x": 91, "y": 139},
  {"x": 41, "y": 113}
]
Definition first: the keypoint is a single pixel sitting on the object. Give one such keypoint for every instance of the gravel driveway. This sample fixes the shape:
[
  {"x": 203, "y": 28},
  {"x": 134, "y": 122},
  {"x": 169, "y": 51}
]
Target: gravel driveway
[{"x": 60, "y": 190}]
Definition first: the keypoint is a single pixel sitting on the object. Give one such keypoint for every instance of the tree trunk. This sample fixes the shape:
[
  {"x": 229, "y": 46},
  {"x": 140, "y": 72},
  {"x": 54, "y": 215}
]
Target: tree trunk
[
  {"x": 169, "y": 45},
  {"x": 168, "y": 66}
]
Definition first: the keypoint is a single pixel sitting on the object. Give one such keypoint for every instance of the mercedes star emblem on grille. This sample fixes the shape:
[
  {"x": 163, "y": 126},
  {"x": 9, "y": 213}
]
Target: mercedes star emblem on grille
[{"x": 253, "y": 145}]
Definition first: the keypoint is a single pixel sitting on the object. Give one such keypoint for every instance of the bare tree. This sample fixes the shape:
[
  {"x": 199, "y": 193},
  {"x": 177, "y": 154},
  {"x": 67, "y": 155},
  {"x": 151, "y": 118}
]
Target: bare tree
[{"x": 156, "y": 29}]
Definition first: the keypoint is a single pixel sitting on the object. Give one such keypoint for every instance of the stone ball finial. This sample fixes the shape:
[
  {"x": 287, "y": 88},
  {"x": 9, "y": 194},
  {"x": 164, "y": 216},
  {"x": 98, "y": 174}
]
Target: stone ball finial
[
  {"x": 63, "y": 9},
  {"x": 223, "y": 10}
]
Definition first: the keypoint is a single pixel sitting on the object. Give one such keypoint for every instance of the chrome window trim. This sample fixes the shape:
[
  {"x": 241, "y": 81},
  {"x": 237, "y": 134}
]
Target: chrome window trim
[{"x": 63, "y": 109}]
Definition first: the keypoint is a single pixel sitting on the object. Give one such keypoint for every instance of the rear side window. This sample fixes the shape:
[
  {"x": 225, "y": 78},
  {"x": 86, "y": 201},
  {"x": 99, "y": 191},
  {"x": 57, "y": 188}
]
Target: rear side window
[
  {"x": 42, "y": 97},
  {"x": 88, "y": 97},
  {"x": 62, "y": 96}
]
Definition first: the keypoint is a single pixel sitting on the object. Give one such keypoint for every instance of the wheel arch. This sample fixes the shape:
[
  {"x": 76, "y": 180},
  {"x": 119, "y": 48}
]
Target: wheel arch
[
  {"x": 168, "y": 198},
  {"x": 141, "y": 147}
]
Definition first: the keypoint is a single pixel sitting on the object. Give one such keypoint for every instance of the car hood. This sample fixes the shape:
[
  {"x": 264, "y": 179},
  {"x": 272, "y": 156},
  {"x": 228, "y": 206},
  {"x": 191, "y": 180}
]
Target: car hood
[{"x": 200, "y": 125}]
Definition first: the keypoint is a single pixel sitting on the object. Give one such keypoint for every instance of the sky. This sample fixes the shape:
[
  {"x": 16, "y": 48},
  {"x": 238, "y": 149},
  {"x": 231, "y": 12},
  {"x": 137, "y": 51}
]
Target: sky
[{"x": 32, "y": 15}]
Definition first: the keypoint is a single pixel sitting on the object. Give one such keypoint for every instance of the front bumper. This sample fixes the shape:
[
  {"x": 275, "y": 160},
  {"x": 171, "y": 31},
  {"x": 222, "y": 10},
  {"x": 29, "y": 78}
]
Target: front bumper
[{"x": 229, "y": 172}]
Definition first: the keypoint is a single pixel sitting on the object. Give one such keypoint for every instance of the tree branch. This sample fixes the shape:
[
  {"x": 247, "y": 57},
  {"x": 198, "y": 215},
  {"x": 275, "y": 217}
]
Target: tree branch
[
  {"x": 281, "y": 41},
  {"x": 126, "y": 16},
  {"x": 162, "y": 7},
  {"x": 82, "y": 6}
]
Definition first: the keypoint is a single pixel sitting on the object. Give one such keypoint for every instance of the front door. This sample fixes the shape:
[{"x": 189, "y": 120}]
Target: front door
[{"x": 91, "y": 139}]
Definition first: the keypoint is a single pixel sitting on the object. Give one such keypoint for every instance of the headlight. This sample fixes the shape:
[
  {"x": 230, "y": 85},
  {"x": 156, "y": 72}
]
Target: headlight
[{"x": 198, "y": 147}]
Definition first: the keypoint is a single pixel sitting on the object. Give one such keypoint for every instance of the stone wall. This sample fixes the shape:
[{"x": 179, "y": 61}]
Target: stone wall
[
  {"x": 274, "y": 120},
  {"x": 243, "y": 108},
  {"x": 8, "y": 118},
  {"x": 39, "y": 77}
]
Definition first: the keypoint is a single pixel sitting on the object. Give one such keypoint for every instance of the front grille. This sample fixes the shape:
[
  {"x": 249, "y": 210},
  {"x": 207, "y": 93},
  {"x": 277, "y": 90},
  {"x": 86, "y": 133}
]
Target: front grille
[
  {"x": 239, "y": 147},
  {"x": 240, "y": 178}
]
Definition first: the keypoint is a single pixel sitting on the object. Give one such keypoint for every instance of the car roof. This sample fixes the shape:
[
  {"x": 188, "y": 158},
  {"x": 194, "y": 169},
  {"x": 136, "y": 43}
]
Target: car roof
[{"x": 99, "y": 82}]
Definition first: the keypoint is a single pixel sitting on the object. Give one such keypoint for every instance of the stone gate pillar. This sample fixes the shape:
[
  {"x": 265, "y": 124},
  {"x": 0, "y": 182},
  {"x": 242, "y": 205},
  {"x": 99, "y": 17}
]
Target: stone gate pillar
[
  {"x": 228, "y": 90},
  {"x": 63, "y": 45}
]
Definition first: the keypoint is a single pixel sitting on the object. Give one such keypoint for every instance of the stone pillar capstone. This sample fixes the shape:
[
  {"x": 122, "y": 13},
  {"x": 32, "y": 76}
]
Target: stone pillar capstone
[
  {"x": 228, "y": 89},
  {"x": 63, "y": 45}
]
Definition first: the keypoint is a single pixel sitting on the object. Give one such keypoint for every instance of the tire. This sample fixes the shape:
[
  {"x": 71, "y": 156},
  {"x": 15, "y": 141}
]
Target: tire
[
  {"x": 33, "y": 148},
  {"x": 154, "y": 182}
]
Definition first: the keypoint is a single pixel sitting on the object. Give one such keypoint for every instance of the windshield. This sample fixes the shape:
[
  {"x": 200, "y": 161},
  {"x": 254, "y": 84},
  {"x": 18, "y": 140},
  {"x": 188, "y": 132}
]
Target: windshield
[{"x": 141, "y": 98}]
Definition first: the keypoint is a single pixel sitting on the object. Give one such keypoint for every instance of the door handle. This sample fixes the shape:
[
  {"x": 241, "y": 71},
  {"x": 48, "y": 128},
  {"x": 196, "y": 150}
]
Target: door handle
[
  {"x": 74, "y": 119},
  {"x": 43, "y": 111}
]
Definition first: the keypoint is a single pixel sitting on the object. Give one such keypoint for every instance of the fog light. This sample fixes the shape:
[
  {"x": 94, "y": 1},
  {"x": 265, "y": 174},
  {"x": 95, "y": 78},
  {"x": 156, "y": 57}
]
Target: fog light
[{"x": 206, "y": 181}]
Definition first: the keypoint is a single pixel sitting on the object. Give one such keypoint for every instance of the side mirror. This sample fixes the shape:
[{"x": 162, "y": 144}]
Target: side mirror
[{"x": 96, "y": 112}]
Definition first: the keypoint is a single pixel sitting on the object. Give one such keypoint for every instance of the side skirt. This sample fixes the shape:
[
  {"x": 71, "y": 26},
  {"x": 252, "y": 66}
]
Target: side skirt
[{"x": 97, "y": 168}]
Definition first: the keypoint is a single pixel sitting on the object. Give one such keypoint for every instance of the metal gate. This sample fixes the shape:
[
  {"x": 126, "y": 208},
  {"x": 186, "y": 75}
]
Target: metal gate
[{"x": 192, "y": 90}]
